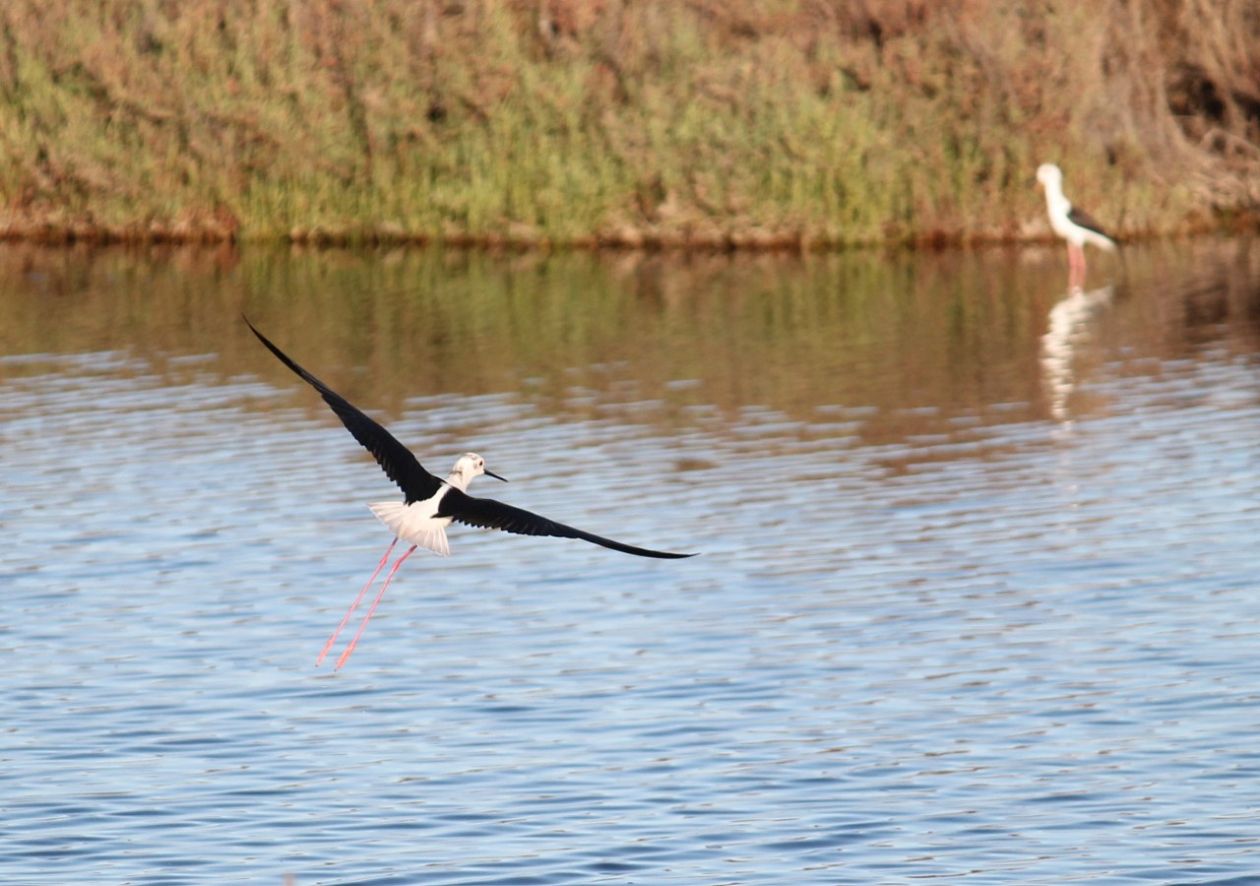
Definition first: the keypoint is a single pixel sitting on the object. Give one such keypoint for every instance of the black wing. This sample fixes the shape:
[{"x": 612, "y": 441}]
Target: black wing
[
  {"x": 1088, "y": 222},
  {"x": 397, "y": 461},
  {"x": 490, "y": 514}
]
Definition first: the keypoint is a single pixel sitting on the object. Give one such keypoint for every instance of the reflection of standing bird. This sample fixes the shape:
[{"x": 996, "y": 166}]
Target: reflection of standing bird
[
  {"x": 1072, "y": 224},
  {"x": 1068, "y": 329}
]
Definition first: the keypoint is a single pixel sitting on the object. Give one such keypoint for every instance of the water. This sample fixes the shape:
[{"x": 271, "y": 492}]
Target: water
[{"x": 977, "y": 600}]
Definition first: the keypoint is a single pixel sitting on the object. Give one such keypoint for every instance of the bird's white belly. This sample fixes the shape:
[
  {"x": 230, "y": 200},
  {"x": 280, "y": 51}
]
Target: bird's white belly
[
  {"x": 1067, "y": 231},
  {"x": 415, "y": 522}
]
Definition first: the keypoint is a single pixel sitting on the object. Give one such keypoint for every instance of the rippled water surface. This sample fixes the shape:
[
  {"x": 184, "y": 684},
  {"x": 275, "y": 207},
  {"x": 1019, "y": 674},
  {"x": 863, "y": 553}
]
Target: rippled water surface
[{"x": 978, "y": 597}]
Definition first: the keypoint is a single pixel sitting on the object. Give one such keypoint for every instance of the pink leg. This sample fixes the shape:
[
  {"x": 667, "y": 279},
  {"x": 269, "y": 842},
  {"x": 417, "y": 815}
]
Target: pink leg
[
  {"x": 355, "y": 605},
  {"x": 1076, "y": 265},
  {"x": 345, "y": 655}
]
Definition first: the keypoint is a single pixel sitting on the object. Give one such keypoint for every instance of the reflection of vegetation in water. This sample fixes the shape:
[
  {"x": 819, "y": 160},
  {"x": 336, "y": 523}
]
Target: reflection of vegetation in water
[
  {"x": 774, "y": 331},
  {"x": 585, "y": 334}
]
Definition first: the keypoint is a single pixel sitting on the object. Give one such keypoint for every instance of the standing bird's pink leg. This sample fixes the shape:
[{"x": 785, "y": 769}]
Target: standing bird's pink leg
[
  {"x": 355, "y": 605},
  {"x": 1076, "y": 265},
  {"x": 371, "y": 609}
]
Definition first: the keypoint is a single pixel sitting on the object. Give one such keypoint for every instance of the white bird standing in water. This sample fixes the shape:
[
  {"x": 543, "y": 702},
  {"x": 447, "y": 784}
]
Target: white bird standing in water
[
  {"x": 1074, "y": 225},
  {"x": 430, "y": 504}
]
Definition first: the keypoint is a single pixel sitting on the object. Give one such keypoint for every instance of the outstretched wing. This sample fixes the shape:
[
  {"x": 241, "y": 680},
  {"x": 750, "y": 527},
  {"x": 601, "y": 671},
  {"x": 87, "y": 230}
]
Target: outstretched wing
[
  {"x": 1088, "y": 222},
  {"x": 490, "y": 514},
  {"x": 396, "y": 460}
]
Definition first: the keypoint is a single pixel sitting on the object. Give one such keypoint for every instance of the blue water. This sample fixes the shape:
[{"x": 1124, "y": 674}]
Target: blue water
[{"x": 994, "y": 627}]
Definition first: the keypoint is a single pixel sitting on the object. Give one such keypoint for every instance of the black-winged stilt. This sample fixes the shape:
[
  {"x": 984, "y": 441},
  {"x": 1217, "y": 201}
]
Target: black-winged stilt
[
  {"x": 430, "y": 504},
  {"x": 1074, "y": 225}
]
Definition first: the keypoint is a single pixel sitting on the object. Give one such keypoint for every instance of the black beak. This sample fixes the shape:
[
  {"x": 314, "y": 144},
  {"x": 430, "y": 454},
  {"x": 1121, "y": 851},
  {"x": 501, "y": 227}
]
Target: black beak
[{"x": 496, "y": 476}]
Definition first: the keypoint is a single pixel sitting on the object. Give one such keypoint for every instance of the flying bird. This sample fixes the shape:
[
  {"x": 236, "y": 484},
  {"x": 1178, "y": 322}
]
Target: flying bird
[
  {"x": 1074, "y": 225},
  {"x": 430, "y": 504}
]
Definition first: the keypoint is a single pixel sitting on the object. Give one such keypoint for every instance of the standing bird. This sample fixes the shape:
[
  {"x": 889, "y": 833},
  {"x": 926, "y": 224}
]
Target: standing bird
[
  {"x": 1074, "y": 225},
  {"x": 430, "y": 504}
]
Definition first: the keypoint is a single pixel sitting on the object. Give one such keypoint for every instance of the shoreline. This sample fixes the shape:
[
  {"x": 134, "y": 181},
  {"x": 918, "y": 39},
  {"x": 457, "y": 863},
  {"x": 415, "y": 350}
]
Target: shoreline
[{"x": 754, "y": 240}]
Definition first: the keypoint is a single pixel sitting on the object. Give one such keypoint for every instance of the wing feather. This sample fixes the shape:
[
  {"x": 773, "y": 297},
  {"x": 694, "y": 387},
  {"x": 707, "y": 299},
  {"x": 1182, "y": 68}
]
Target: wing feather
[
  {"x": 490, "y": 514},
  {"x": 1087, "y": 221},
  {"x": 394, "y": 458}
]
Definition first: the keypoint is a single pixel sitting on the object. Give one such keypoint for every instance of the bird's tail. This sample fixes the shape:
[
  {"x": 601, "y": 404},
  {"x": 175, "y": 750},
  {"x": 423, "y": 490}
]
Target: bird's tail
[
  {"x": 1102, "y": 241},
  {"x": 410, "y": 527}
]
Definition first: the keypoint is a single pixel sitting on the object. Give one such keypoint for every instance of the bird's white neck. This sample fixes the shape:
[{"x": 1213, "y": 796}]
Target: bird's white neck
[
  {"x": 458, "y": 480},
  {"x": 1056, "y": 202}
]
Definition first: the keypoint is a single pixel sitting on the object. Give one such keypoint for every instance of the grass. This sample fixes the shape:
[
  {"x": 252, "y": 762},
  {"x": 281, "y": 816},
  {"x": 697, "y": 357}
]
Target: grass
[{"x": 794, "y": 123}]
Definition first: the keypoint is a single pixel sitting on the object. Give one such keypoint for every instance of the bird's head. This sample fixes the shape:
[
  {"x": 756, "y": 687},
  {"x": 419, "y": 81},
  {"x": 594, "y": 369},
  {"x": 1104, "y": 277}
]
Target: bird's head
[
  {"x": 1049, "y": 176},
  {"x": 468, "y": 466}
]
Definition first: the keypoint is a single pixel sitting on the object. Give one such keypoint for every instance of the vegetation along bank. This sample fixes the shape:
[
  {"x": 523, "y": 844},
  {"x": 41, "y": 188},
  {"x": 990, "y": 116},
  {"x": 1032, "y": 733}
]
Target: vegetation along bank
[{"x": 708, "y": 123}]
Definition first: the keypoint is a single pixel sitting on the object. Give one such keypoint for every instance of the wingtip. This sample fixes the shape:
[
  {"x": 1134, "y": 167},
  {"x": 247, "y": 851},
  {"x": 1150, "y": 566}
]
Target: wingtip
[
  {"x": 258, "y": 335},
  {"x": 283, "y": 357}
]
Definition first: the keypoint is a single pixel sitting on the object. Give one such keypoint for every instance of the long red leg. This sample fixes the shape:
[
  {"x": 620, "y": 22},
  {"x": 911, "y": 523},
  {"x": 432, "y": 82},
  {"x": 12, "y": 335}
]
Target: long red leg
[
  {"x": 1076, "y": 265},
  {"x": 371, "y": 609},
  {"x": 355, "y": 605}
]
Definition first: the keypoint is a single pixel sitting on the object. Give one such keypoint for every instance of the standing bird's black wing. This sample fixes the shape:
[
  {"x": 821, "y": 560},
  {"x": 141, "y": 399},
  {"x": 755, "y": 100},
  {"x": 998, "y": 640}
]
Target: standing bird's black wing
[
  {"x": 1083, "y": 219},
  {"x": 396, "y": 460},
  {"x": 490, "y": 514}
]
